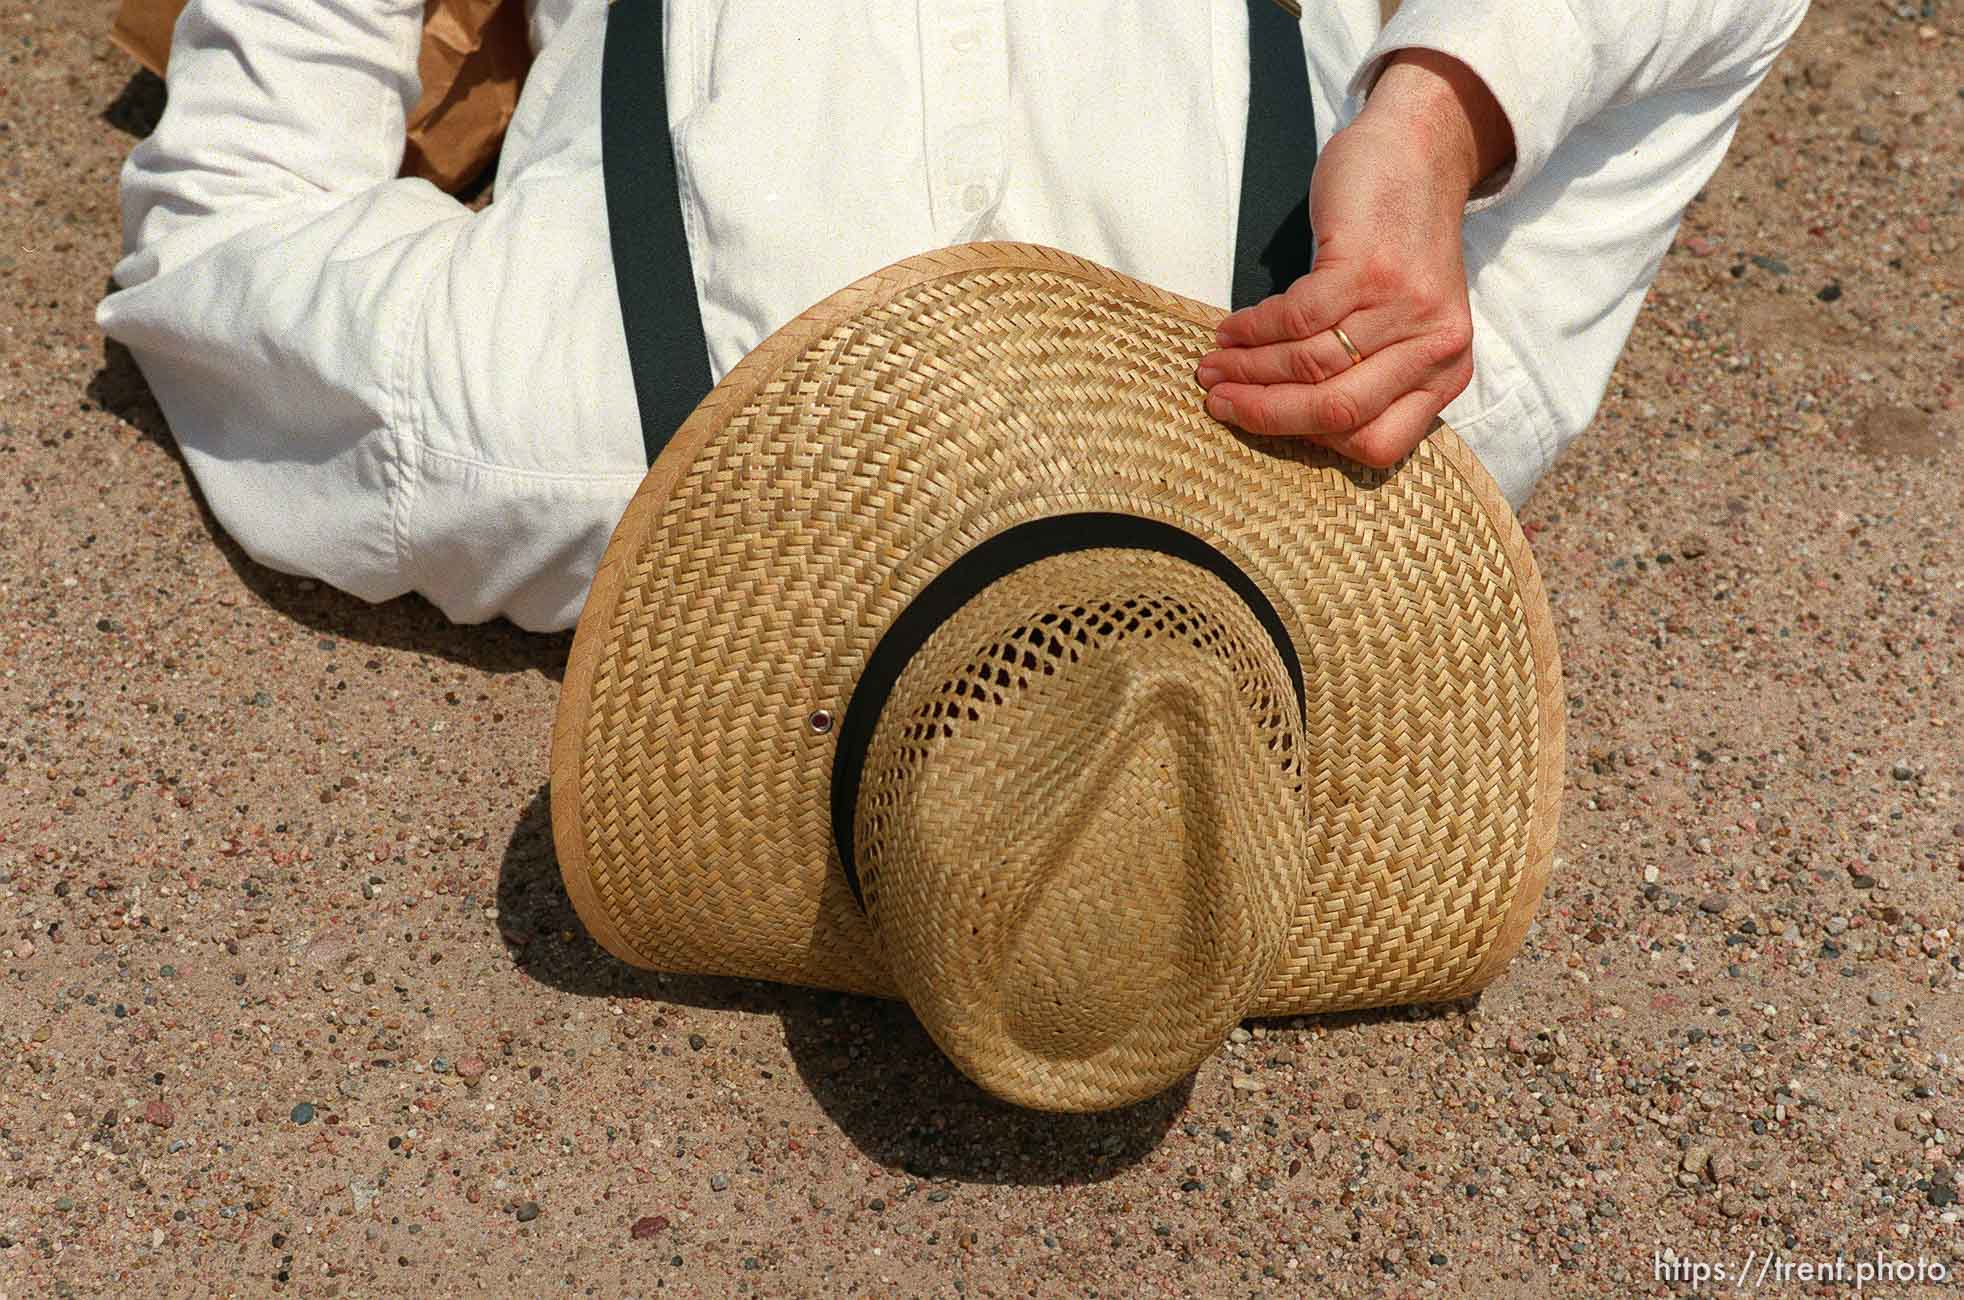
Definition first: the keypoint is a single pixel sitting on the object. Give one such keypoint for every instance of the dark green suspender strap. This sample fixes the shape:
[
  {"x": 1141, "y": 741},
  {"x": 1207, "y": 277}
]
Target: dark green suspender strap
[
  {"x": 1271, "y": 237},
  {"x": 666, "y": 350},
  {"x": 665, "y": 346}
]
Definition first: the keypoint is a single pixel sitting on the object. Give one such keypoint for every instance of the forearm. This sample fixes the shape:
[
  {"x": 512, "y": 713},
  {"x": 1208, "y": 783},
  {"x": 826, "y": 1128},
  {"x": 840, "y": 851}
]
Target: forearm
[
  {"x": 271, "y": 105},
  {"x": 1438, "y": 107},
  {"x": 1552, "y": 65},
  {"x": 382, "y": 389},
  {"x": 272, "y": 260}
]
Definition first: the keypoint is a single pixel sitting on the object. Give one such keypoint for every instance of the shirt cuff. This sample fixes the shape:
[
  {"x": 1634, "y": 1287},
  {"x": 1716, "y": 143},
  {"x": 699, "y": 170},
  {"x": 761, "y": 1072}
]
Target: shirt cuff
[{"x": 1540, "y": 84}]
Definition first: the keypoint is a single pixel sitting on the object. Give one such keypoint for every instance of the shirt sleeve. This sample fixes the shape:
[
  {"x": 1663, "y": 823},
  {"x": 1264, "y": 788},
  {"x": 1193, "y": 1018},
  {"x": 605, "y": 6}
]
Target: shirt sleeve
[
  {"x": 269, "y": 254},
  {"x": 1554, "y": 64},
  {"x": 373, "y": 385}
]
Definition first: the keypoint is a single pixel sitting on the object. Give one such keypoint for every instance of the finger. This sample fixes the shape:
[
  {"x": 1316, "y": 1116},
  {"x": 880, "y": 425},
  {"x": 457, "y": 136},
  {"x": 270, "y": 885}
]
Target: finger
[
  {"x": 1342, "y": 404},
  {"x": 1383, "y": 442},
  {"x": 1298, "y": 361},
  {"x": 1311, "y": 304},
  {"x": 1369, "y": 330}
]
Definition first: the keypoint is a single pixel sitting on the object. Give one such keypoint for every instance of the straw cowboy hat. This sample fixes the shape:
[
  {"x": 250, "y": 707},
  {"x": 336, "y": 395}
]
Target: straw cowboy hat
[{"x": 950, "y": 651}]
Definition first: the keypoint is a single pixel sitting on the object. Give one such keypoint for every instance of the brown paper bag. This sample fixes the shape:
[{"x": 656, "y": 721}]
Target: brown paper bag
[{"x": 474, "y": 58}]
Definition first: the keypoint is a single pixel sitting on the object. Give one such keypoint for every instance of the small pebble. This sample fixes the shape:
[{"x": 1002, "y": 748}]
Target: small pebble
[
  {"x": 719, "y": 1183},
  {"x": 303, "y": 1113},
  {"x": 647, "y": 1226},
  {"x": 528, "y": 1211},
  {"x": 1714, "y": 903}
]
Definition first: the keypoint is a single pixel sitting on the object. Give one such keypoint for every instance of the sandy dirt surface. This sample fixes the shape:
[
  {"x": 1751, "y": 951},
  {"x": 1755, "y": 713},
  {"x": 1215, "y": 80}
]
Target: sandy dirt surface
[{"x": 292, "y": 1000}]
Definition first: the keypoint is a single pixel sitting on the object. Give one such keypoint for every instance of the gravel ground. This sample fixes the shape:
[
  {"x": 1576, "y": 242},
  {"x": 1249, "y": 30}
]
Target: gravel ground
[{"x": 291, "y": 999}]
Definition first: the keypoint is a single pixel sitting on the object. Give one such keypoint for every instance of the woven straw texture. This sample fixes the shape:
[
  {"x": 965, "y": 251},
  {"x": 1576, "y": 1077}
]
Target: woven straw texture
[
  {"x": 858, "y": 451},
  {"x": 1080, "y": 830}
]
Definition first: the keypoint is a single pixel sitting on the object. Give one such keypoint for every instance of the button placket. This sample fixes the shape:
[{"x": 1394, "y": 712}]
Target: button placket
[{"x": 965, "y": 91}]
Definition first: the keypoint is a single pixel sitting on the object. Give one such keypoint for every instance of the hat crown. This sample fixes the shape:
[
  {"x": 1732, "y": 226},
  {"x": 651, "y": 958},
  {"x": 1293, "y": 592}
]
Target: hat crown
[{"x": 1081, "y": 826}]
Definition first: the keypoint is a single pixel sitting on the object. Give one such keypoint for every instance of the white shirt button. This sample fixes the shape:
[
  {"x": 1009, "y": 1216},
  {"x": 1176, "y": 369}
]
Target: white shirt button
[
  {"x": 963, "y": 41},
  {"x": 974, "y": 198}
]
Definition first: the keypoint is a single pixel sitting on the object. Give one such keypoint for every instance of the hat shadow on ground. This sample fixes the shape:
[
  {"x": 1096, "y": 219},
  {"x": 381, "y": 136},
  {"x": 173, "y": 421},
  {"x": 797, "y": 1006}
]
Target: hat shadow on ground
[
  {"x": 902, "y": 1103},
  {"x": 408, "y": 623}
]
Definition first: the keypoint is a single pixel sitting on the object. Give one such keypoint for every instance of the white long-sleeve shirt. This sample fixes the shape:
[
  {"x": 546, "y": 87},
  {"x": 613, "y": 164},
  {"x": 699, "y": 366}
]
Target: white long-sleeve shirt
[{"x": 380, "y": 388}]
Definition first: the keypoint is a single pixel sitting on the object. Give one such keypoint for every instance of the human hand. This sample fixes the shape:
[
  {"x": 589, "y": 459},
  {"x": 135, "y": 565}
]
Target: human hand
[{"x": 1385, "y": 202}]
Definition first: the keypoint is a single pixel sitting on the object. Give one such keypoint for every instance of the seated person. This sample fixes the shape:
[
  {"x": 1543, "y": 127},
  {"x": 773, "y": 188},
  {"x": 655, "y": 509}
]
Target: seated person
[{"x": 378, "y": 387}]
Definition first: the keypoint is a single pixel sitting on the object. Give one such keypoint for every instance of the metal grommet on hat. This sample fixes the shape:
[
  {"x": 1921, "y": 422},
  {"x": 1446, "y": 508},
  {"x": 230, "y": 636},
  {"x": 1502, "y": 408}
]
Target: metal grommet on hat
[{"x": 1133, "y": 725}]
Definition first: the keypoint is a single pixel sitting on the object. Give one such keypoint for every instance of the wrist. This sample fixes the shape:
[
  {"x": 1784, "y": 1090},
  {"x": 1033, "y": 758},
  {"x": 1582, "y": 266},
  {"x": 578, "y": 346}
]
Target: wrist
[{"x": 1440, "y": 110}]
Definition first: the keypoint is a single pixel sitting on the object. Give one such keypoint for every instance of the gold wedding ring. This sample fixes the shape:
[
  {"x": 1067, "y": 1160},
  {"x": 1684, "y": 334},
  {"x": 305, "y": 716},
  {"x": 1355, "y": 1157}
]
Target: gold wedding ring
[{"x": 1356, "y": 357}]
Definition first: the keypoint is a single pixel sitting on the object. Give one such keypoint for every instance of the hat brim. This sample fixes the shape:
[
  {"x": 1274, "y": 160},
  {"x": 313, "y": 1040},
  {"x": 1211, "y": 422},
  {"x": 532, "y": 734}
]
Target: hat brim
[{"x": 861, "y": 448}]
